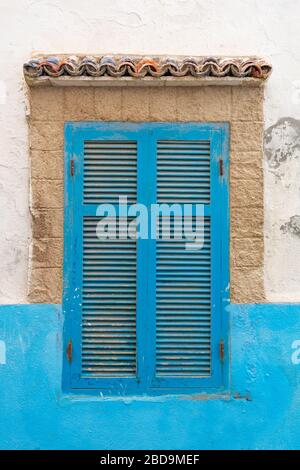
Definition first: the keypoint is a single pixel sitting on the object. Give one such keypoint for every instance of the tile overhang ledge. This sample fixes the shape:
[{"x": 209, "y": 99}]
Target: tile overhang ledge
[{"x": 107, "y": 70}]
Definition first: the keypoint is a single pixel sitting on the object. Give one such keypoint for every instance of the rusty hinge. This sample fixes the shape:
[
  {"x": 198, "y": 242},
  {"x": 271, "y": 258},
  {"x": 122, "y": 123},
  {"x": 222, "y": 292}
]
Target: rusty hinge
[
  {"x": 72, "y": 167},
  {"x": 69, "y": 351},
  {"x": 221, "y": 167},
  {"x": 222, "y": 350}
]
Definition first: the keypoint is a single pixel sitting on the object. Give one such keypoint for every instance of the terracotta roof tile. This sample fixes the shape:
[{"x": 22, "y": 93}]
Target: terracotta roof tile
[{"x": 140, "y": 67}]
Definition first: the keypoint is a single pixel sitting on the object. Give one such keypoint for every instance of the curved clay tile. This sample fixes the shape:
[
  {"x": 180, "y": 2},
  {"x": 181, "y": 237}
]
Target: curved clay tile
[{"x": 140, "y": 67}]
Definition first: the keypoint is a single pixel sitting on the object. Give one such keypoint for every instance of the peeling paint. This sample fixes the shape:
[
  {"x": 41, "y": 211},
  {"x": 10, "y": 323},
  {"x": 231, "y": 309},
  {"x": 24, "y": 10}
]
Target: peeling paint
[
  {"x": 238, "y": 396},
  {"x": 292, "y": 226},
  {"x": 282, "y": 142},
  {"x": 282, "y": 209}
]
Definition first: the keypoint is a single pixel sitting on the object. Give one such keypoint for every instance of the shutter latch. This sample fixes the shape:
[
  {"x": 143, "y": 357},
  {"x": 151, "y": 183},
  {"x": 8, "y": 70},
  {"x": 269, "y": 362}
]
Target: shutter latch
[
  {"x": 222, "y": 350},
  {"x": 72, "y": 167},
  {"x": 69, "y": 351},
  {"x": 221, "y": 168}
]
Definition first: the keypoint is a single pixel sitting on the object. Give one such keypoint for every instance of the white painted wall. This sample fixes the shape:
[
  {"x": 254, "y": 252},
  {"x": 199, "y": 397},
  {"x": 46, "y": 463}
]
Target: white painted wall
[{"x": 262, "y": 27}]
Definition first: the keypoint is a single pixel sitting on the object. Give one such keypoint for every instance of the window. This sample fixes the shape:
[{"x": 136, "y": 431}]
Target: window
[{"x": 145, "y": 315}]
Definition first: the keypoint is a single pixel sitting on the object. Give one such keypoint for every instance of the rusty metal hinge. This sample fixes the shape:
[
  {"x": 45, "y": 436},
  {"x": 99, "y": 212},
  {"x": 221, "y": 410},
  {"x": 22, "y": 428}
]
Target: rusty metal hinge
[
  {"x": 69, "y": 351},
  {"x": 221, "y": 167},
  {"x": 222, "y": 350},
  {"x": 72, "y": 167}
]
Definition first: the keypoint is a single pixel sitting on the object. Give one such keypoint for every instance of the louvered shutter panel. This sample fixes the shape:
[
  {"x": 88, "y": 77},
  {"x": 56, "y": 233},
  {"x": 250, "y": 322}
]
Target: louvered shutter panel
[
  {"x": 110, "y": 171},
  {"x": 109, "y": 266},
  {"x": 183, "y": 278}
]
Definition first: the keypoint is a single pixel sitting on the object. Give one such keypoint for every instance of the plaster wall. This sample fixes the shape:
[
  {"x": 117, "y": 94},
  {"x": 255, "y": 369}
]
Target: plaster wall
[
  {"x": 242, "y": 107},
  {"x": 169, "y": 27},
  {"x": 261, "y": 410}
]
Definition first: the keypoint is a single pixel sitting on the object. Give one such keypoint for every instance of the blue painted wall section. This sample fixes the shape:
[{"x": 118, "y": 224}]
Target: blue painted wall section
[{"x": 262, "y": 411}]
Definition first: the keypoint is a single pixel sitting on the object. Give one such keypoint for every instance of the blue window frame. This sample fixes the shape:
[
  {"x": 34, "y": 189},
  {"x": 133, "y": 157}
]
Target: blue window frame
[{"x": 145, "y": 316}]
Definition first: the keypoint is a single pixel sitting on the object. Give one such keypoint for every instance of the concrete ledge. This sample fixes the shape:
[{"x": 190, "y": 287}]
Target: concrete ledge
[{"x": 66, "y": 81}]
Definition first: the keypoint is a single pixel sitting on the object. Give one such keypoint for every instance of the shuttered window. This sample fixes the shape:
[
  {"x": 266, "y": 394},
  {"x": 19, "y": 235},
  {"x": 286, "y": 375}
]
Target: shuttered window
[{"x": 145, "y": 315}]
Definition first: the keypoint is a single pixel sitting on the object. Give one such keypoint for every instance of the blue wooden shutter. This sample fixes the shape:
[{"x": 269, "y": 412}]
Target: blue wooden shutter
[
  {"x": 191, "y": 286},
  {"x": 101, "y": 279},
  {"x": 109, "y": 266},
  {"x": 183, "y": 279},
  {"x": 144, "y": 316}
]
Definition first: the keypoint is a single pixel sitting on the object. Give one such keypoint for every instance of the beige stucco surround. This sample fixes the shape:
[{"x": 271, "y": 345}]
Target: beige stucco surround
[{"x": 241, "y": 106}]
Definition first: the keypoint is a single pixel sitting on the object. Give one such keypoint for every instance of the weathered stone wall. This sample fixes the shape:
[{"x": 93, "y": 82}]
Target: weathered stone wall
[{"x": 241, "y": 106}]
